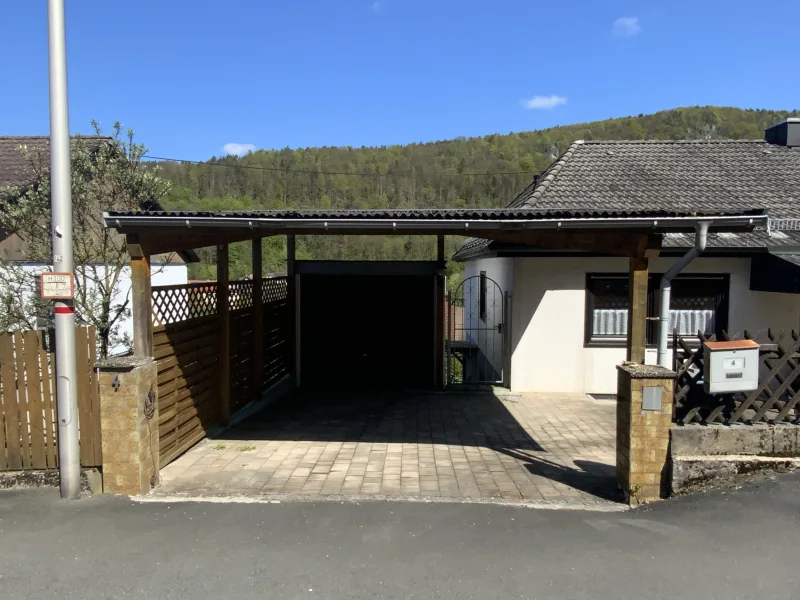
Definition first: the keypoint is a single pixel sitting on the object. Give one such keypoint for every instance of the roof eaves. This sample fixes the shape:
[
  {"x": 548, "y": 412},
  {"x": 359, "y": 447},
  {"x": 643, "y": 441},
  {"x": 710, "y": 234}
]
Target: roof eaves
[{"x": 473, "y": 248}]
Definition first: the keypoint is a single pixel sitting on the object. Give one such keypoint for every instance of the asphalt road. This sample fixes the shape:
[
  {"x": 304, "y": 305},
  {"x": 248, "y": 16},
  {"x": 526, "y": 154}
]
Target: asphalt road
[{"x": 735, "y": 544}]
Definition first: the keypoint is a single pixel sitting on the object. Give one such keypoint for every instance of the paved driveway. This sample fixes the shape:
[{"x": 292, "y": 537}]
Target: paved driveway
[{"x": 478, "y": 445}]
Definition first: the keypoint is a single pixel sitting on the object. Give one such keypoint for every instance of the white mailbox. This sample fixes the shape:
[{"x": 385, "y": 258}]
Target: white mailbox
[{"x": 731, "y": 366}]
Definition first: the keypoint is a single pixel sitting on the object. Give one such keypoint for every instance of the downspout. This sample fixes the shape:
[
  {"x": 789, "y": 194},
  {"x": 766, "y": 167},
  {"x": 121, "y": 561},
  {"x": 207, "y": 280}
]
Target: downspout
[{"x": 700, "y": 238}]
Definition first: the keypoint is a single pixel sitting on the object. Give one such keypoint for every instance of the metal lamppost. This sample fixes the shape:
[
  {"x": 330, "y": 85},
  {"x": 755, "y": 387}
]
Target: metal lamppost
[{"x": 61, "y": 206}]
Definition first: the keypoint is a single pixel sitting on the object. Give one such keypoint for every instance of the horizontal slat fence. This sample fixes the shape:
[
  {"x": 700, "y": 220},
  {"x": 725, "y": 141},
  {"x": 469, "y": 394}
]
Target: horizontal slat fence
[
  {"x": 28, "y": 415},
  {"x": 776, "y": 400},
  {"x": 186, "y": 345},
  {"x": 188, "y": 383},
  {"x": 242, "y": 340}
]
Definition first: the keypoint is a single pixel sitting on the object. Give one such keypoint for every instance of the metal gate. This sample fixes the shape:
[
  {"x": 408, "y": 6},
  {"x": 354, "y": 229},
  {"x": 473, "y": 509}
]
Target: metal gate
[{"x": 477, "y": 329}]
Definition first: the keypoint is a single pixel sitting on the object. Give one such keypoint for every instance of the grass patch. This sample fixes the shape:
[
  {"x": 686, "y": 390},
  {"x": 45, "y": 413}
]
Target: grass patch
[
  {"x": 220, "y": 446},
  {"x": 246, "y": 448}
]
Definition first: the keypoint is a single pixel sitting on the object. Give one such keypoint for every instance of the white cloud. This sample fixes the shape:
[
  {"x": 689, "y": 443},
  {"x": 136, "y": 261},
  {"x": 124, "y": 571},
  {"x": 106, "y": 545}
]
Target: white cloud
[
  {"x": 238, "y": 149},
  {"x": 544, "y": 102},
  {"x": 376, "y": 6},
  {"x": 626, "y": 26}
]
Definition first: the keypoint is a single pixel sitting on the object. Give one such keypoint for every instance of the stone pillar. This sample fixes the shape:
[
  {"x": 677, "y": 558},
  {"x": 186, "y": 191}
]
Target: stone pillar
[
  {"x": 644, "y": 416},
  {"x": 129, "y": 424}
]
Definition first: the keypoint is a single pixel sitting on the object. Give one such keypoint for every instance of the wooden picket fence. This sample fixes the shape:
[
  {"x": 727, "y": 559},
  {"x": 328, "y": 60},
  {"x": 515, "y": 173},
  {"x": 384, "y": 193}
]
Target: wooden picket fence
[{"x": 28, "y": 415}]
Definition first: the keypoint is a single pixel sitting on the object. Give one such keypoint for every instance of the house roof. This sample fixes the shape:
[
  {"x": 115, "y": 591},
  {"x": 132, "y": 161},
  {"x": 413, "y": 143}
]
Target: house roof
[
  {"x": 684, "y": 176},
  {"x": 16, "y": 169}
]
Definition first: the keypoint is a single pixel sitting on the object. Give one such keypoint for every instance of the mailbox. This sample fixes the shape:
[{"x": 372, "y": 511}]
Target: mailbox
[{"x": 731, "y": 366}]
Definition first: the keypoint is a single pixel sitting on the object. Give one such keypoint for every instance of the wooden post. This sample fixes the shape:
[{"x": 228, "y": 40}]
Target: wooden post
[
  {"x": 439, "y": 321},
  {"x": 258, "y": 319},
  {"x": 141, "y": 306},
  {"x": 223, "y": 306},
  {"x": 292, "y": 302},
  {"x": 638, "y": 276}
]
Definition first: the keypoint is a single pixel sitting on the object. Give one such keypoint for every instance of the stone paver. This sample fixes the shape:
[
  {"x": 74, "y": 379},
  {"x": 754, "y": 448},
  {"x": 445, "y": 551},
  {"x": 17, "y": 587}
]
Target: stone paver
[{"x": 528, "y": 447}]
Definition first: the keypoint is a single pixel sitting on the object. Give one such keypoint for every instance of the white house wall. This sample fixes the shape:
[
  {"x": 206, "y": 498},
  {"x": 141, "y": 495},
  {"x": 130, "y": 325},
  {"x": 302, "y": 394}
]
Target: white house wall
[
  {"x": 501, "y": 271},
  {"x": 548, "y": 314},
  {"x": 172, "y": 274}
]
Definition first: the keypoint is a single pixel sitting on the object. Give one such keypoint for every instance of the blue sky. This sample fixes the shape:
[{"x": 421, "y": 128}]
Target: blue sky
[{"x": 191, "y": 77}]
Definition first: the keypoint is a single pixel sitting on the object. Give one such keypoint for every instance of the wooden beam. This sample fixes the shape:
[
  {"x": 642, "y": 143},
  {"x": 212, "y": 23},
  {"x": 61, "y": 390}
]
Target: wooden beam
[
  {"x": 223, "y": 307},
  {"x": 141, "y": 307},
  {"x": 613, "y": 242},
  {"x": 258, "y": 319},
  {"x": 638, "y": 276},
  {"x": 158, "y": 241},
  {"x": 617, "y": 242}
]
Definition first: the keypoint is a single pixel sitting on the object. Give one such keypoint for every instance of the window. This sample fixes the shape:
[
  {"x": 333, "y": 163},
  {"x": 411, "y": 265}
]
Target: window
[
  {"x": 698, "y": 303},
  {"x": 483, "y": 296}
]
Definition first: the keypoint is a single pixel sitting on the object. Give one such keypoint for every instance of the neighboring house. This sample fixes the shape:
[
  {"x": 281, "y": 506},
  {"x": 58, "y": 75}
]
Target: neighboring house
[
  {"x": 16, "y": 170},
  {"x": 569, "y": 309}
]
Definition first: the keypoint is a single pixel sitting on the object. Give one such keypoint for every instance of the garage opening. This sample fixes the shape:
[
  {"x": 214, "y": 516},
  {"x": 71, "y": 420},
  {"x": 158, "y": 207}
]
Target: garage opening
[{"x": 367, "y": 325}]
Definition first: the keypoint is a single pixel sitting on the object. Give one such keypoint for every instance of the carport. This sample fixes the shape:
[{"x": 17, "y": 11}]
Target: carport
[{"x": 226, "y": 348}]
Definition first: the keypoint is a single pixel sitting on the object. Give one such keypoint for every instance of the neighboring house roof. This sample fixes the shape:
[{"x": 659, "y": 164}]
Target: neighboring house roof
[
  {"x": 682, "y": 176},
  {"x": 18, "y": 170}
]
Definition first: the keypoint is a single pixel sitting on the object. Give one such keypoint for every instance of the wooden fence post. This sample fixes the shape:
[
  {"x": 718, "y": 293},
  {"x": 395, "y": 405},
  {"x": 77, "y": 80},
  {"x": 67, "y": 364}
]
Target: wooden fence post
[
  {"x": 638, "y": 275},
  {"x": 141, "y": 305},
  {"x": 258, "y": 319},
  {"x": 223, "y": 307}
]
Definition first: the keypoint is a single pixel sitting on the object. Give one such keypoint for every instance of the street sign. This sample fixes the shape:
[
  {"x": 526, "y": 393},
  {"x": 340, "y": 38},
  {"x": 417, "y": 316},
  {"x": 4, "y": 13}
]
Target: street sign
[{"x": 57, "y": 286}]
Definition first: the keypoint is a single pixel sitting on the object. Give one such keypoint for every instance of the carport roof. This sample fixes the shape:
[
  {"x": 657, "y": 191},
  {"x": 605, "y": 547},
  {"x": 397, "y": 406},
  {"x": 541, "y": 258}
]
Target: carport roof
[
  {"x": 289, "y": 219},
  {"x": 161, "y": 231}
]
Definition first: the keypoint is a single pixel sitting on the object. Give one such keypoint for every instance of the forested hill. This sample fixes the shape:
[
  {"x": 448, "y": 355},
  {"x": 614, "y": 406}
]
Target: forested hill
[{"x": 465, "y": 172}]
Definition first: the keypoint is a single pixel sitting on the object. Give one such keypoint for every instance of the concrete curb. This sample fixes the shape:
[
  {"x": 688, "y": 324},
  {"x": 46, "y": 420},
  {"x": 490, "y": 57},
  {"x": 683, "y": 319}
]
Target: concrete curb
[
  {"x": 363, "y": 498},
  {"x": 692, "y": 474}
]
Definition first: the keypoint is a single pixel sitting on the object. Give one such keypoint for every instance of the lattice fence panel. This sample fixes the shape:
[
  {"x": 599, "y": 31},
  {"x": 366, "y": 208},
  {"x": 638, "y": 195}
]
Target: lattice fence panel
[
  {"x": 176, "y": 303},
  {"x": 274, "y": 289},
  {"x": 776, "y": 400},
  {"x": 241, "y": 294}
]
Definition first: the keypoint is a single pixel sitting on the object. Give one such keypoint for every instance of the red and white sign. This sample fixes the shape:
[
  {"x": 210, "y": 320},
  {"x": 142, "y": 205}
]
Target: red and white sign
[{"x": 58, "y": 286}]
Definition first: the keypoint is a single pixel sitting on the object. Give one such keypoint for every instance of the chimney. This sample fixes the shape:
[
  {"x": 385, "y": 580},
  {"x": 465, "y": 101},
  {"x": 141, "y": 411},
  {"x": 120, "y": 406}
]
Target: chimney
[{"x": 785, "y": 133}]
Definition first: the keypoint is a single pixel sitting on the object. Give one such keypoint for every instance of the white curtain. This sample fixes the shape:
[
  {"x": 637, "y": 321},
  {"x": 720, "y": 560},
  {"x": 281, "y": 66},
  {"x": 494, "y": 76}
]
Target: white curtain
[
  {"x": 614, "y": 321},
  {"x": 689, "y": 322},
  {"x": 610, "y": 321}
]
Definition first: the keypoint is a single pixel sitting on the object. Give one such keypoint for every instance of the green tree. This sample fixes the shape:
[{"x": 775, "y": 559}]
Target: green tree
[
  {"x": 105, "y": 177},
  {"x": 461, "y": 173}
]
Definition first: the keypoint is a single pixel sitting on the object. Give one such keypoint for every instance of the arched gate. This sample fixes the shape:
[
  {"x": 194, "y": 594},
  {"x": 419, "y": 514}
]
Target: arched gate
[{"x": 476, "y": 344}]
